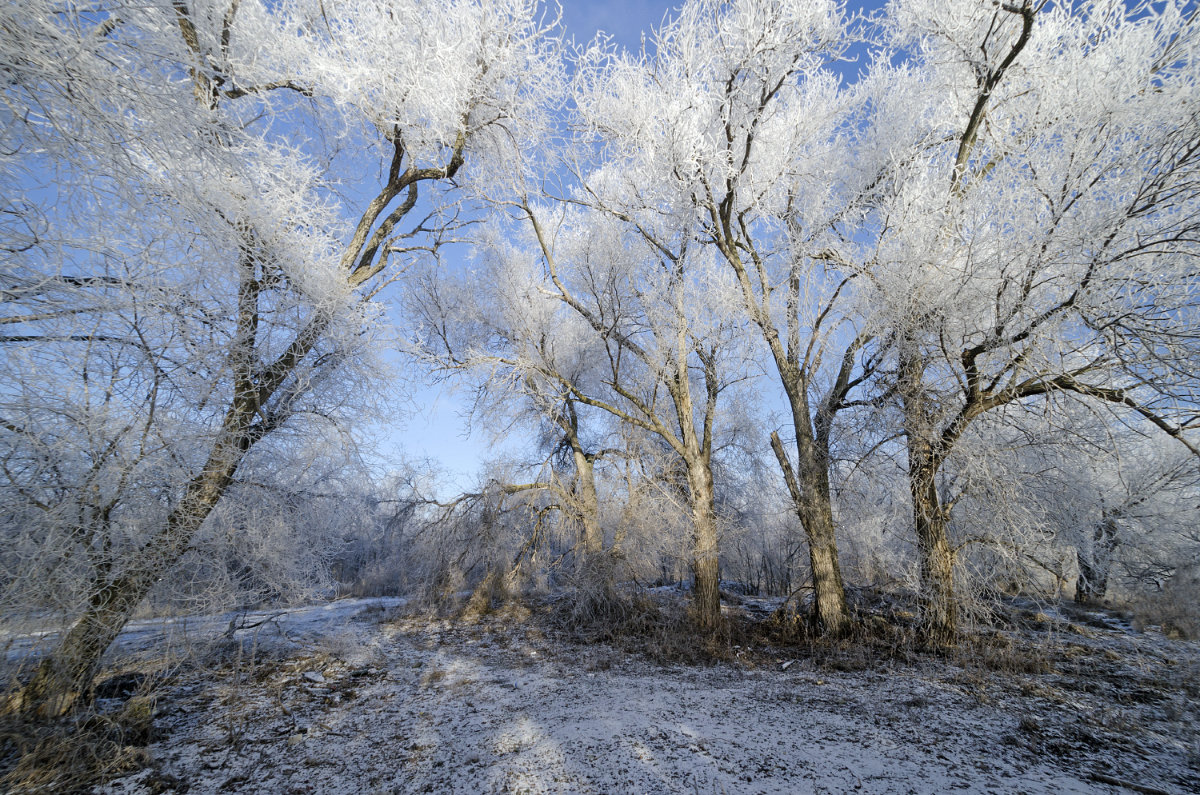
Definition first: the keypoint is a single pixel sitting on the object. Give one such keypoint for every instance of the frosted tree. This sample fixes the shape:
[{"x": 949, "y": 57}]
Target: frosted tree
[
  {"x": 618, "y": 322},
  {"x": 489, "y": 327},
  {"x": 738, "y": 123},
  {"x": 1123, "y": 501},
  {"x": 670, "y": 350},
  {"x": 179, "y": 255},
  {"x": 1035, "y": 226}
]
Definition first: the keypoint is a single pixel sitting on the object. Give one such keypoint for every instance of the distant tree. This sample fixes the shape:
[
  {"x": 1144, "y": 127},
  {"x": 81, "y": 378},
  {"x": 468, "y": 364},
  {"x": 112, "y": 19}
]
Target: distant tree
[
  {"x": 489, "y": 328},
  {"x": 646, "y": 297},
  {"x": 1124, "y": 503},
  {"x": 606, "y": 318}
]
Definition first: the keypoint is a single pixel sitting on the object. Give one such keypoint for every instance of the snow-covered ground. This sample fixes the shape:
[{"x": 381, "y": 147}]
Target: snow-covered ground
[
  {"x": 155, "y": 636},
  {"x": 350, "y": 698}
]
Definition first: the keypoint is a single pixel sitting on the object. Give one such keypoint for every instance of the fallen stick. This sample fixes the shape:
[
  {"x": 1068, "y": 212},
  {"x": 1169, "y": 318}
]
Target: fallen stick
[{"x": 1116, "y": 782}]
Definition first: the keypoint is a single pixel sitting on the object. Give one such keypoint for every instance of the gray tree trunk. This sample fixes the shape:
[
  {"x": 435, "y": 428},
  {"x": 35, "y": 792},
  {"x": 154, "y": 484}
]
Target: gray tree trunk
[
  {"x": 588, "y": 505},
  {"x": 939, "y": 610},
  {"x": 706, "y": 569},
  {"x": 1096, "y": 563},
  {"x": 811, "y": 501}
]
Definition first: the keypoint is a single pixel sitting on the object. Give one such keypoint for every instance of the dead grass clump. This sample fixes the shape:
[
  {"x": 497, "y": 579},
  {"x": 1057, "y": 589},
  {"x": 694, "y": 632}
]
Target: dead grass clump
[
  {"x": 77, "y": 753},
  {"x": 1178, "y": 617},
  {"x": 881, "y": 638},
  {"x": 489, "y": 595},
  {"x": 493, "y": 597},
  {"x": 882, "y": 629},
  {"x": 424, "y": 607},
  {"x": 1001, "y": 654},
  {"x": 783, "y": 627},
  {"x": 676, "y": 638},
  {"x": 599, "y": 612},
  {"x": 603, "y": 613},
  {"x": 869, "y": 642}
]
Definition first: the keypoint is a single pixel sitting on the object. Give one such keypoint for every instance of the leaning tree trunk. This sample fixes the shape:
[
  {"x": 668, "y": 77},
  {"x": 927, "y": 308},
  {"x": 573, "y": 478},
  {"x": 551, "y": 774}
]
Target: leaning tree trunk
[{"x": 63, "y": 677}]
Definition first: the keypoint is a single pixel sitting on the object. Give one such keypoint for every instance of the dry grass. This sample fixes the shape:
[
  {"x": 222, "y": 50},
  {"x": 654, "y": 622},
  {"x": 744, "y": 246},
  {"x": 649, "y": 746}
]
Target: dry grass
[
  {"x": 602, "y": 626},
  {"x": 493, "y": 594},
  {"x": 1178, "y": 617},
  {"x": 78, "y": 752},
  {"x": 999, "y": 654},
  {"x": 884, "y": 632}
]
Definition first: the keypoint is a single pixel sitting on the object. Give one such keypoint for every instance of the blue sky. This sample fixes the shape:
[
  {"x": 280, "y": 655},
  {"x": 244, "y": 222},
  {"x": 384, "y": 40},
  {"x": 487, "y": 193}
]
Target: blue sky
[{"x": 624, "y": 20}]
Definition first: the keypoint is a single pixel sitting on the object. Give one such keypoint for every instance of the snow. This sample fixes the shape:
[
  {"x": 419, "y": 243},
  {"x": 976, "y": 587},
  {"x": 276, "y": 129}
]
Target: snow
[
  {"x": 352, "y": 699},
  {"x": 151, "y": 636}
]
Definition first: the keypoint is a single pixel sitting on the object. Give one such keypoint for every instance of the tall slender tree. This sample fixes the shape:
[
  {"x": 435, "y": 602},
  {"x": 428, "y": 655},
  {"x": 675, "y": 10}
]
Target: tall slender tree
[{"x": 738, "y": 121}]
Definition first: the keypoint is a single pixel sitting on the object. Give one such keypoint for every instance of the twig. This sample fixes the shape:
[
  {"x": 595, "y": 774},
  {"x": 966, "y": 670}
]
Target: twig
[{"x": 1116, "y": 782}]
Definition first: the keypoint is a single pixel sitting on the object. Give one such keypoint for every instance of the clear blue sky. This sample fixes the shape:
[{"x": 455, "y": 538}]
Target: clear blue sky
[{"x": 624, "y": 20}]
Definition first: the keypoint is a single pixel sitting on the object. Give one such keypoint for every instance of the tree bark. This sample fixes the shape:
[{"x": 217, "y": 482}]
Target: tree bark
[
  {"x": 939, "y": 610},
  {"x": 939, "y": 613},
  {"x": 589, "y": 505},
  {"x": 1094, "y": 565},
  {"x": 829, "y": 592},
  {"x": 706, "y": 570},
  {"x": 1092, "y": 582},
  {"x": 810, "y": 492},
  {"x": 811, "y": 501}
]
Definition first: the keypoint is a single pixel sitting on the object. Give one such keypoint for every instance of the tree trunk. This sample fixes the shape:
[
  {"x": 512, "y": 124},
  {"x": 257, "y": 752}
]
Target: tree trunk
[
  {"x": 829, "y": 592},
  {"x": 589, "y": 506},
  {"x": 1095, "y": 566},
  {"x": 66, "y": 675},
  {"x": 811, "y": 501},
  {"x": 706, "y": 572},
  {"x": 939, "y": 611},
  {"x": 1092, "y": 582}
]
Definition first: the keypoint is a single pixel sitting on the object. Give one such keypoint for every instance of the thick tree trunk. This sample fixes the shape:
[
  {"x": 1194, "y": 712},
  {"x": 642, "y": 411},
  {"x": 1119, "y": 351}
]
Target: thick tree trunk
[
  {"x": 829, "y": 592},
  {"x": 1092, "y": 582},
  {"x": 67, "y": 674},
  {"x": 939, "y": 610},
  {"x": 1094, "y": 565},
  {"x": 706, "y": 571},
  {"x": 589, "y": 506},
  {"x": 811, "y": 501}
]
